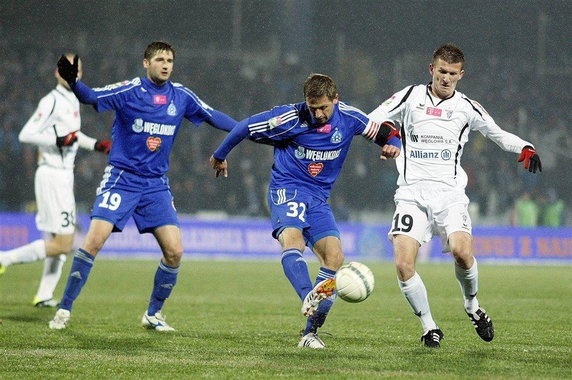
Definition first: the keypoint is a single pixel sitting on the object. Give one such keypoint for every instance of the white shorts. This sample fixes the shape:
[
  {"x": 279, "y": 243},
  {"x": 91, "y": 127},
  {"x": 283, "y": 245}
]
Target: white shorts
[
  {"x": 422, "y": 212},
  {"x": 55, "y": 200}
]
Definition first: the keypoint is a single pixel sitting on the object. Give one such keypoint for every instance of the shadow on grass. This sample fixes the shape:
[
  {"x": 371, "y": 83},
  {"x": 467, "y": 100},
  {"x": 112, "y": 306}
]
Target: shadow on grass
[{"x": 29, "y": 317}]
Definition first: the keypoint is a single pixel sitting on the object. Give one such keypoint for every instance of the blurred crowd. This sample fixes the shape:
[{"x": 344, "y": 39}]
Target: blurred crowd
[{"x": 537, "y": 109}]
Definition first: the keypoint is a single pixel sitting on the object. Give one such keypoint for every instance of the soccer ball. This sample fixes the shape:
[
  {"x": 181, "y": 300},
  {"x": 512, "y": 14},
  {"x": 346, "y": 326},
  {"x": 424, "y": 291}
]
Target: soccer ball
[{"x": 354, "y": 282}]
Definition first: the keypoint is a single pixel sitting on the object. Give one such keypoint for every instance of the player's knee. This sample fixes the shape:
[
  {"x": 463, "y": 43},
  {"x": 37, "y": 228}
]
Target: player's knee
[
  {"x": 405, "y": 268},
  {"x": 461, "y": 250},
  {"x": 173, "y": 256},
  {"x": 334, "y": 261},
  {"x": 463, "y": 258}
]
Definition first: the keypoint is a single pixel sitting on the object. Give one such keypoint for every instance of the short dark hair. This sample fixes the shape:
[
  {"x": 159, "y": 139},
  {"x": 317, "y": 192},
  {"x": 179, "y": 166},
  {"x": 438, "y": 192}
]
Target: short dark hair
[
  {"x": 318, "y": 85},
  {"x": 449, "y": 53},
  {"x": 156, "y": 46}
]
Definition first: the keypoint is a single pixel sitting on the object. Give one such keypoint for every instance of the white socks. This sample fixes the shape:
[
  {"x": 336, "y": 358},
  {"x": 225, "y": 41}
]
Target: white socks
[
  {"x": 469, "y": 281},
  {"x": 50, "y": 277},
  {"x": 28, "y": 253},
  {"x": 416, "y": 294}
]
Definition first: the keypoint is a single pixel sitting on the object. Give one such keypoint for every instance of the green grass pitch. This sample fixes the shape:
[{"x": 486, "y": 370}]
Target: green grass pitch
[{"x": 242, "y": 320}]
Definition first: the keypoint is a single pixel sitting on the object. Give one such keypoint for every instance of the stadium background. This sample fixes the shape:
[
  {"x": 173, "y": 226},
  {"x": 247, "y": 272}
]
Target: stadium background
[{"x": 243, "y": 57}]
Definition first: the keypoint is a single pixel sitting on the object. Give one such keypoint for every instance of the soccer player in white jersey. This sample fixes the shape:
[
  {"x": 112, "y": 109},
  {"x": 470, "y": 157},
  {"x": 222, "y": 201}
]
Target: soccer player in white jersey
[
  {"x": 55, "y": 129},
  {"x": 435, "y": 122}
]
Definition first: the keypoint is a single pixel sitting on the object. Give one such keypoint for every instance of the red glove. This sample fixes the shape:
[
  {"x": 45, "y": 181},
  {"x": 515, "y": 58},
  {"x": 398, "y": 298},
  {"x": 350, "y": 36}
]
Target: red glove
[
  {"x": 67, "y": 140},
  {"x": 530, "y": 158},
  {"x": 103, "y": 146}
]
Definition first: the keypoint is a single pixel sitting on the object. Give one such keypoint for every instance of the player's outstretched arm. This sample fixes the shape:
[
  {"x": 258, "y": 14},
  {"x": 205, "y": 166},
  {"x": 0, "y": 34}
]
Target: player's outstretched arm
[
  {"x": 218, "y": 159},
  {"x": 222, "y": 121},
  {"x": 531, "y": 159}
]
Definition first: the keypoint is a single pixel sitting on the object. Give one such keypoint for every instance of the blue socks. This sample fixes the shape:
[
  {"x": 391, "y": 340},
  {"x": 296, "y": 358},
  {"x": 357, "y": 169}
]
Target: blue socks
[
  {"x": 296, "y": 270},
  {"x": 81, "y": 266},
  {"x": 165, "y": 280},
  {"x": 320, "y": 315}
]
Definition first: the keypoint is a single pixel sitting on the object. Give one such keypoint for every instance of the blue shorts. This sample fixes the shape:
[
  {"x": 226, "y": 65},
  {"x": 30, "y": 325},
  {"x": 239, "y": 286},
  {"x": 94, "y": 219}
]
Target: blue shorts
[
  {"x": 122, "y": 194},
  {"x": 292, "y": 208}
]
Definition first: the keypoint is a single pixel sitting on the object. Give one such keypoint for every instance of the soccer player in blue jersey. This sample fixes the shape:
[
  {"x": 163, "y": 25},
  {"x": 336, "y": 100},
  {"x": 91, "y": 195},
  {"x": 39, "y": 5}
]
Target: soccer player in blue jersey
[
  {"x": 311, "y": 140},
  {"x": 148, "y": 114}
]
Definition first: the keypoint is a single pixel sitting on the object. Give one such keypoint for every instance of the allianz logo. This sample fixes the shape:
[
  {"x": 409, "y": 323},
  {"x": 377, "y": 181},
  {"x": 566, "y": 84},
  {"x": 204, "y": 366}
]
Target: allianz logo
[{"x": 444, "y": 154}]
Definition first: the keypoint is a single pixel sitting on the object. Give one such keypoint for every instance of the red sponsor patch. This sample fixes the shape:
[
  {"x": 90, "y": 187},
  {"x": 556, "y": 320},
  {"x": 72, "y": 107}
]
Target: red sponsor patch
[
  {"x": 159, "y": 99},
  {"x": 325, "y": 129},
  {"x": 433, "y": 111},
  {"x": 153, "y": 143},
  {"x": 315, "y": 168}
]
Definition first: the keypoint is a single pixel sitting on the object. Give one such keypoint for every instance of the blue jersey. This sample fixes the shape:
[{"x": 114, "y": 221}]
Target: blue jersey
[
  {"x": 308, "y": 156},
  {"x": 148, "y": 117}
]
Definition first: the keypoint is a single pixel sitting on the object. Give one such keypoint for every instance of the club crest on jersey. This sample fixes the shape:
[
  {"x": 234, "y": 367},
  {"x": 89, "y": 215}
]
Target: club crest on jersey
[
  {"x": 300, "y": 152},
  {"x": 315, "y": 168},
  {"x": 159, "y": 99},
  {"x": 137, "y": 126},
  {"x": 153, "y": 143},
  {"x": 336, "y": 137},
  {"x": 325, "y": 129},
  {"x": 171, "y": 110},
  {"x": 449, "y": 113}
]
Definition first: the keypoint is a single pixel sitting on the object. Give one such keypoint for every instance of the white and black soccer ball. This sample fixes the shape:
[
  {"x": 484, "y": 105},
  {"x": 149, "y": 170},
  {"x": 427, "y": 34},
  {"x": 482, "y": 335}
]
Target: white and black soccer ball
[{"x": 354, "y": 282}]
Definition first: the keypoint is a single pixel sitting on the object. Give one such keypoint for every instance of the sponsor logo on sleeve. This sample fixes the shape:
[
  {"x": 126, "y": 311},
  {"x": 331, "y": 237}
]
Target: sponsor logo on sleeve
[
  {"x": 274, "y": 122},
  {"x": 388, "y": 101}
]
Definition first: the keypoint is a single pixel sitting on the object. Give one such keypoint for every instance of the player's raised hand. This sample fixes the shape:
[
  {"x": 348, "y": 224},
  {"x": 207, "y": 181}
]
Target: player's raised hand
[
  {"x": 531, "y": 159},
  {"x": 219, "y": 167},
  {"x": 103, "y": 146},
  {"x": 68, "y": 70},
  {"x": 67, "y": 140}
]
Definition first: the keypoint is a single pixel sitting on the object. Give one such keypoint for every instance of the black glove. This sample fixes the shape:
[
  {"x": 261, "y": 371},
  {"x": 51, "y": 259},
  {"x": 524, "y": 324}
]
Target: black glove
[
  {"x": 531, "y": 159},
  {"x": 68, "y": 70},
  {"x": 103, "y": 146},
  {"x": 67, "y": 140}
]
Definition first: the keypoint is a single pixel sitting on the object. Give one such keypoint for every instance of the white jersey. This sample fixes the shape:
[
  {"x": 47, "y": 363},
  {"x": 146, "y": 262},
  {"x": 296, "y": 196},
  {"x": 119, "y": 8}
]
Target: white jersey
[
  {"x": 56, "y": 116},
  {"x": 434, "y": 132}
]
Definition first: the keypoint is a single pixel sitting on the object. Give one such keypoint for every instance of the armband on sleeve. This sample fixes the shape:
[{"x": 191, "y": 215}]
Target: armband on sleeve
[{"x": 386, "y": 132}]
